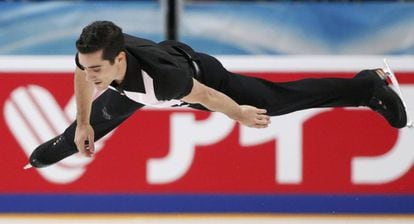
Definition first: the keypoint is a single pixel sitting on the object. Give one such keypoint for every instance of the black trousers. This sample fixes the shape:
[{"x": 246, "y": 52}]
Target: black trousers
[
  {"x": 110, "y": 109},
  {"x": 280, "y": 98}
]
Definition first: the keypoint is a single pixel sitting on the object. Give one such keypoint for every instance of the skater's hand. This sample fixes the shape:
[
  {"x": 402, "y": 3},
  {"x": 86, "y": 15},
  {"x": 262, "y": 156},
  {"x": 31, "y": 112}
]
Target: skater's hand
[
  {"x": 253, "y": 117},
  {"x": 84, "y": 139},
  {"x": 217, "y": 101}
]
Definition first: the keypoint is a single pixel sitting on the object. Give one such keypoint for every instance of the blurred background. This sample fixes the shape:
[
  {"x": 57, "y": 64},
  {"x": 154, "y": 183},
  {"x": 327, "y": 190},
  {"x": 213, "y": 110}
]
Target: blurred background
[
  {"x": 176, "y": 166},
  {"x": 217, "y": 27}
]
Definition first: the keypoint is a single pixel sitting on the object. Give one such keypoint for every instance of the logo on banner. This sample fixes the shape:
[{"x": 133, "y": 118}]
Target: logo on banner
[{"x": 33, "y": 116}]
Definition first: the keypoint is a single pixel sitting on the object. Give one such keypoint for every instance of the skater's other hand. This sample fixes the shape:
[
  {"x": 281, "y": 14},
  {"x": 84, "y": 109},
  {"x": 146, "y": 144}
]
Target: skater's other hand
[
  {"x": 84, "y": 139},
  {"x": 254, "y": 117}
]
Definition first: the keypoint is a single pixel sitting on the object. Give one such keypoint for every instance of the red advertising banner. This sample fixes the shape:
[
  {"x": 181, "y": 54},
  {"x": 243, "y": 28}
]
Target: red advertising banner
[{"x": 318, "y": 151}]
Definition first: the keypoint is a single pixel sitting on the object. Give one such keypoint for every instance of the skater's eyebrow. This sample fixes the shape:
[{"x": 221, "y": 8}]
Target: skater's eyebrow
[{"x": 92, "y": 66}]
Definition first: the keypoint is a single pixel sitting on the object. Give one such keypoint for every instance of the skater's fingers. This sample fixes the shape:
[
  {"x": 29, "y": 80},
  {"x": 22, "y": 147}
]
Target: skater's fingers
[
  {"x": 80, "y": 144},
  {"x": 84, "y": 140},
  {"x": 86, "y": 150},
  {"x": 91, "y": 144},
  {"x": 260, "y": 126},
  {"x": 263, "y": 117},
  {"x": 262, "y": 120},
  {"x": 261, "y": 111},
  {"x": 83, "y": 145}
]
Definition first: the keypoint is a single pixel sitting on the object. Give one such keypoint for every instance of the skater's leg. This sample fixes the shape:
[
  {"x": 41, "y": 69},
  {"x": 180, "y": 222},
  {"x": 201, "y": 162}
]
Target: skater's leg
[
  {"x": 109, "y": 110},
  {"x": 285, "y": 97},
  {"x": 367, "y": 88}
]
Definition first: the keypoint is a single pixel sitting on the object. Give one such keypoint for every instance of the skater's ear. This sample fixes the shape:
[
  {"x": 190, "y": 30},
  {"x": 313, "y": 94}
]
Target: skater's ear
[{"x": 120, "y": 57}]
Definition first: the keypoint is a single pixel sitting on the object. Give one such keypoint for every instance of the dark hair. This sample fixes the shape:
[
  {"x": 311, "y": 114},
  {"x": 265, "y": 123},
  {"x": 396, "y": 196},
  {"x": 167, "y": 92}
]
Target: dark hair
[{"x": 101, "y": 35}]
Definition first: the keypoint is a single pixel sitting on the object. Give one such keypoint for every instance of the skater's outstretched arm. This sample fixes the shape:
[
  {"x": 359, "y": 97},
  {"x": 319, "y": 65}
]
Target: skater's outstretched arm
[
  {"x": 217, "y": 101},
  {"x": 84, "y": 135}
]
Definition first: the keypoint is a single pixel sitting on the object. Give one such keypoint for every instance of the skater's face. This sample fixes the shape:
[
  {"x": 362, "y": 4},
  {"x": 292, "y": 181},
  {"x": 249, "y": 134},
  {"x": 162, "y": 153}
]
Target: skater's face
[{"x": 102, "y": 72}]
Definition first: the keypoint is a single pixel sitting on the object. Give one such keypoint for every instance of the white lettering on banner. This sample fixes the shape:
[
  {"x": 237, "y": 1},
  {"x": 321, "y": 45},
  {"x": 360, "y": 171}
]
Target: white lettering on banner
[
  {"x": 33, "y": 116},
  {"x": 186, "y": 133},
  {"x": 287, "y": 130},
  {"x": 394, "y": 163}
]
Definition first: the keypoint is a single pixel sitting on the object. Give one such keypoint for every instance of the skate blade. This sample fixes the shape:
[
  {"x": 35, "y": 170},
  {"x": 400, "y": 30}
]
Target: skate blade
[
  {"x": 396, "y": 86},
  {"x": 28, "y": 166}
]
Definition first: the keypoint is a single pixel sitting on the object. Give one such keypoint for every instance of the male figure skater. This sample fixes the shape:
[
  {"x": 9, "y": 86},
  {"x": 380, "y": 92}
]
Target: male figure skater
[{"x": 135, "y": 72}]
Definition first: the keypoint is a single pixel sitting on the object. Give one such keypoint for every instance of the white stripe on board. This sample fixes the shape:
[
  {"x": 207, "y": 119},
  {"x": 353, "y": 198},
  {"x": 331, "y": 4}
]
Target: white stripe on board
[
  {"x": 292, "y": 63},
  {"x": 205, "y": 219}
]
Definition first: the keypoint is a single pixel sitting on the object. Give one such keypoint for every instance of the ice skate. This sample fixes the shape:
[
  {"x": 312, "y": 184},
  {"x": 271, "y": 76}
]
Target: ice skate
[
  {"x": 51, "y": 152},
  {"x": 385, "y": 100},
  {"x": 396, "y": 87}
]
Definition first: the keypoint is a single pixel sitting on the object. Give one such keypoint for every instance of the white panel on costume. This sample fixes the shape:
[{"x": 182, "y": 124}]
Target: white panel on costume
[{"x": 148, "y": 98}]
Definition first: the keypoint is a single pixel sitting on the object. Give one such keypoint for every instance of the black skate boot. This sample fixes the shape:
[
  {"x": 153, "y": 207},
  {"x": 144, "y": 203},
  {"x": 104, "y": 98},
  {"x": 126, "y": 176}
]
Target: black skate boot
[
  {"x": 51, "y": 152},
  {"x": 385, "y": 100}
]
